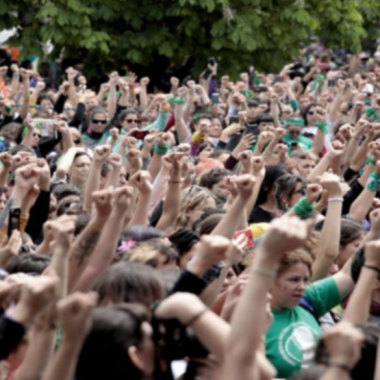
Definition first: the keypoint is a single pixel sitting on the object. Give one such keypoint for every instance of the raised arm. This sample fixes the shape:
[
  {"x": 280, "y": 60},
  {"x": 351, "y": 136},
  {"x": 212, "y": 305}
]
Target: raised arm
[
  {"x": 144, "y": 92},
  {"x": 112, "y": 100},
  {"x": 25, "y": 74},
  {"x": 328, "y": 247}
]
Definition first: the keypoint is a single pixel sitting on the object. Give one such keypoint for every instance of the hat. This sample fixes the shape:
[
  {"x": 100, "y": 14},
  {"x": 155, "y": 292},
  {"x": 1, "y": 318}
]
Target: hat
[
  {"x": 368, "y": 89},
  {"x": 184, "y": 239}
]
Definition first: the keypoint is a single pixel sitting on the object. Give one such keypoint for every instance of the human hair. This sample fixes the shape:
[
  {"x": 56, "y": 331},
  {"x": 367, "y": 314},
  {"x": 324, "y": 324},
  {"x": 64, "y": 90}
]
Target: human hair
[
  {"x": 183, "y": 240},
  {"x": 122, "y": 115},
  {"x": 149, "y": 252},
  {"x": 140, "y": 233},
  {"x": 365, "y": 367},
  {"x": 285, "y": 186},
  {"x": 27, "y": 263},
  {"x": 81, "y": 222},
  {"x": 45, "y": 96},
  {"x": 265, "y": 118},
  {"x": 206, "y": 144},
  {"x": 12, "y": 131},
  {"x": 221, "y": 119},
  {"x": 299, "y": 256},
  {"x": 212, "y": 177},
  {"x": 313, "y": 373},
  {"x": 272, "y": 173},
  {"x": 104, "y": 353},
  {"x": 208, "y": 225},
  {"x": 20, "y": 148},
  {"x": 307, "y": 109},
  {"x": 192, "y": 198},
  {"x": 349, "y": 231},
  {"x": 96, "y": 110},
  {"x": 130, "y": 282},
  {"x": 206, "y": 213},
  {"x": 106, "y": 168},
  {"x": 65, "y": 190}
]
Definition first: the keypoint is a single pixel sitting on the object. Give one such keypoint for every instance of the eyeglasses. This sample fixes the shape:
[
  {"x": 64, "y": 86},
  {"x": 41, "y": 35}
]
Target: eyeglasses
[
  {"x": 97, "y": 121},
  {"x": 36, "y": 135},
  {"x": 132, "y": 121},
  {"x": 76, "y": 142}
]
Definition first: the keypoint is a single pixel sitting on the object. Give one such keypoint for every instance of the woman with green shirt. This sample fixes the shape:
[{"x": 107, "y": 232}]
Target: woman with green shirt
[{"x": 295, "y": 331}]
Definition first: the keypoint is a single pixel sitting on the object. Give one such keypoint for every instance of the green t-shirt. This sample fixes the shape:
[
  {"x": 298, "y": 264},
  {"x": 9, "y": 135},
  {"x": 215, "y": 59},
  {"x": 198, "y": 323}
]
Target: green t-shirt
[
  {"x": 294, "y": 333},
  {"x": 304, "y": 142}
]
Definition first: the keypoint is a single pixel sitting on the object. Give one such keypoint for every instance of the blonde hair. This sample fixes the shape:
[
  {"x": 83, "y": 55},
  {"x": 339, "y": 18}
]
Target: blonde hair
[{"x": 191, "y": 198}]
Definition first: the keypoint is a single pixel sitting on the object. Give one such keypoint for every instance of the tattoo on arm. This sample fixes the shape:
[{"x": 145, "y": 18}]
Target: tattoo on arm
[{"x": 85, "y": 247}]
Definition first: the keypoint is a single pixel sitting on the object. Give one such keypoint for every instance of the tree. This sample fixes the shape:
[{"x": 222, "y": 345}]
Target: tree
[{"x": 266, "y": 33}]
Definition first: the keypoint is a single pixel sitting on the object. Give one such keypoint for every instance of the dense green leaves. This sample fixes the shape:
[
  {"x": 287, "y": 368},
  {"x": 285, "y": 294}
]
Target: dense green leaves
[{"x": 265, "y": 33}]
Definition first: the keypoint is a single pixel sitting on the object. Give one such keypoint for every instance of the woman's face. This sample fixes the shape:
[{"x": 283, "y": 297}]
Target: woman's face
[
  {"x": 205, "y": 153},
  {"x": 130, "y": 122},
  {"x": 36, "y": 138},
  {"x": 47, "y": 105},
  {"x": 80, "y": 168},
  {"x": 348, "y": 251},
  {"x": 229, "y": 280},
  {"x": 215, "y": 128},
  {"x": 287, "y": 113},
  {"x": 196, "y": 213},
  {"x": 99, "y": 122},
  {"x": 3, "y": 201},
  {"x": 311, "y": 116},
  {"x": 290, "y": 287},
  {"x": 299, "y": 191}
]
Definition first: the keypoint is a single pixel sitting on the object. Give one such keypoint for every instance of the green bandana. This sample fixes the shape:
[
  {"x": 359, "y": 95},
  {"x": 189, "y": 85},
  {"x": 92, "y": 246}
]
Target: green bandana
[{"x": 299, "y": 122}]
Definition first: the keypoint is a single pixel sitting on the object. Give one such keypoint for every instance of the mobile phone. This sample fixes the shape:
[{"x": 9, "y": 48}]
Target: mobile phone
[
  {"x": 331, "y": 82},
  {"x": 140, "y": 135},
  {"x": 211, "y": 61},
  {"x": 215, "y": 98},
  {"x": 14, "y": 220},
  {"x": 249, "y": 236},
  {"x": 260, "y": 89},
  {"x": 234, "y": 119}
]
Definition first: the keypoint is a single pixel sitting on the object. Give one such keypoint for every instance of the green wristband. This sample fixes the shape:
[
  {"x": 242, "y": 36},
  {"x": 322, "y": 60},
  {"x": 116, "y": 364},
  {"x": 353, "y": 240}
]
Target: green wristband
[
  {"x": 303, "y": 209},
  {"x": 177, "y": 101},
  {"x": 161, "y": 150},
  {"x": 322, "y": 127},
  {"x": 370, "y": 160},
  {"x": 373, "y": 183}
]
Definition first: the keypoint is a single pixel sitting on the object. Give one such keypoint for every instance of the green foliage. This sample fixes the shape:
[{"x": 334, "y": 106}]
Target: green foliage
[{"x": 266, "y": 33}]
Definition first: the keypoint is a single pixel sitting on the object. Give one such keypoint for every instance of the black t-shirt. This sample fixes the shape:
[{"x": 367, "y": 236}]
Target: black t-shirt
[{"x": 258, "y": 215}]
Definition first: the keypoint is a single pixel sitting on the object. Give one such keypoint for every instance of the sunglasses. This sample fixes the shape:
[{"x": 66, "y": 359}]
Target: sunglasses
[
  {"x": 132, "y": 121},
  {"x": 36, "y": 135},
  {"x": 76, "y": 142},
  {"x": 97, "y": 121}
]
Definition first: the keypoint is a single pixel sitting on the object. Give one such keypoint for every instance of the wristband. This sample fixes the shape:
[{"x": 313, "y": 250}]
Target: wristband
[
  {"x": 161, "y": 150},
  {"x": 370, "y": 160},
  {"x": 303, "y": 209},
  {"x": 16, "y": 75},
  {"x": 335, "y": 199},
  {"x": 371, "y": 267},
  {"x": 322, "y": 127},
  {"x": 373, "y": 183},
  {"x": 177, "y": 100}
]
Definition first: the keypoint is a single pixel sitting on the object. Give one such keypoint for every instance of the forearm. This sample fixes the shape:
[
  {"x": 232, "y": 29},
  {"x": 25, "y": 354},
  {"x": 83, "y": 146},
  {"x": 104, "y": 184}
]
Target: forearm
[
  {"x": 72, "y": 93},
  {"x": 25, "y": 100},
  {"x": 67, "y": 142},
  {"x": 103, "y": 253},
  {"x": 334, "y": 373},
  {"x": 318, "y": 142},
  {"x": 180, "y": 125},
  {"x": 60, "y": 265},
  {"x": 143, "y": 97},
  {"x": 227, "y": 226},
  {"x": 360, "y": 156},
  {"x": 352, "y": 147},
  {"x": 155, "y": 165},
  {"x": 322, "y": 167},
  {"x": 159, "y": 188},
  {"x": 252, "y": 200},
  {"x": 188, "y": 107},
  {"x": 112, "y": 101},
  {"x": 15, "y": 83},
  {"x": 114, "y": 177},
  {"x": 362, "y": 204},
  {"x": 328, "y": 247},
  {"x": 64, "y": 363},
  {"x": 4, "y": 174},
  {"x": 124, "y": 99},
  {"x": 358, "y": 307},
  {"x": 171, "y": 204},
  {"x": 27, "y": 140},
  {"x": 92, "y": 184},
  {"x": 141, "y": 213}
]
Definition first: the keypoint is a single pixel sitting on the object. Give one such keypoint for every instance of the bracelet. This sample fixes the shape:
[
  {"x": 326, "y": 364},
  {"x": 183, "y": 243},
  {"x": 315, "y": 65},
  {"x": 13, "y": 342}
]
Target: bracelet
[
  {"x": 376, "y": 269},
  {"x": 340, "y": 366},
  {"x": 335, "y": 199},
  {"x": 196, "y": 317},
  {"x": 264, "y": 272},
  {"x": 161, "y": 149},
  {"x": 373, "y": 183},
  {"x": 303, "y": 209}
]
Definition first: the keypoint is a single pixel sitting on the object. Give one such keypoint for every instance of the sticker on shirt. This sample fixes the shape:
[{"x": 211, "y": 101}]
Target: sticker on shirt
[{"x": 296, "y": 344}]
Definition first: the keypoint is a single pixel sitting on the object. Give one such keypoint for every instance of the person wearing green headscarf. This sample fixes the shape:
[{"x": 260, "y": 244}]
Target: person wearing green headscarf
[{"x": 294, "y": 136}]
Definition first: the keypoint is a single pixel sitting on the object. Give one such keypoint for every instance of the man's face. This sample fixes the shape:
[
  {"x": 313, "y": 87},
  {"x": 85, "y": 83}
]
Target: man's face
[
  {"x": 251, "y": 112},
  {"x": 266, "y": 126}
]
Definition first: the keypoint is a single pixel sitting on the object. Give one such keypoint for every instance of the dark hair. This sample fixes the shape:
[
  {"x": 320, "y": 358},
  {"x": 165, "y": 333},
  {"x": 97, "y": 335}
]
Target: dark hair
[
  {"x": 208, "y": 225},
  {"x": 205, "y": 145},
  {"x": 124, "y": 114},
  {"x": 221, "y": 119},
  {"x": 94, "y": 111},
  {"x": 65, "y": 190},
  {"x": 183, "y": 240},
  {"x": 212, "y": 177},
  {"x": 81, "y": 222},
  {"x": 27, "y": 263},
  {"x": 130, "y": 282},
  {"x": 12, "y": 131},
  {"x": 106, "y": 168},
  {"x": 206, "y": 213},
  {"x": 265, "y": 118},
  {"x": 141, "y": 233},
  {"x": 272, "y": 173},
  {"x": 285, "y": 186},
  {"x": 104, "y": 354},
  {"x": 307, "y": 109},
  {"x": 365, "y": 368}
]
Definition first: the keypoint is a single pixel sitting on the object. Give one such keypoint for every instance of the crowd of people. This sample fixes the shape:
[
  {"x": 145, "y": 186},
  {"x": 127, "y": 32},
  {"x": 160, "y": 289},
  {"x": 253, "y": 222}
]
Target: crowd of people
[{"x": 226, "y": 229}]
